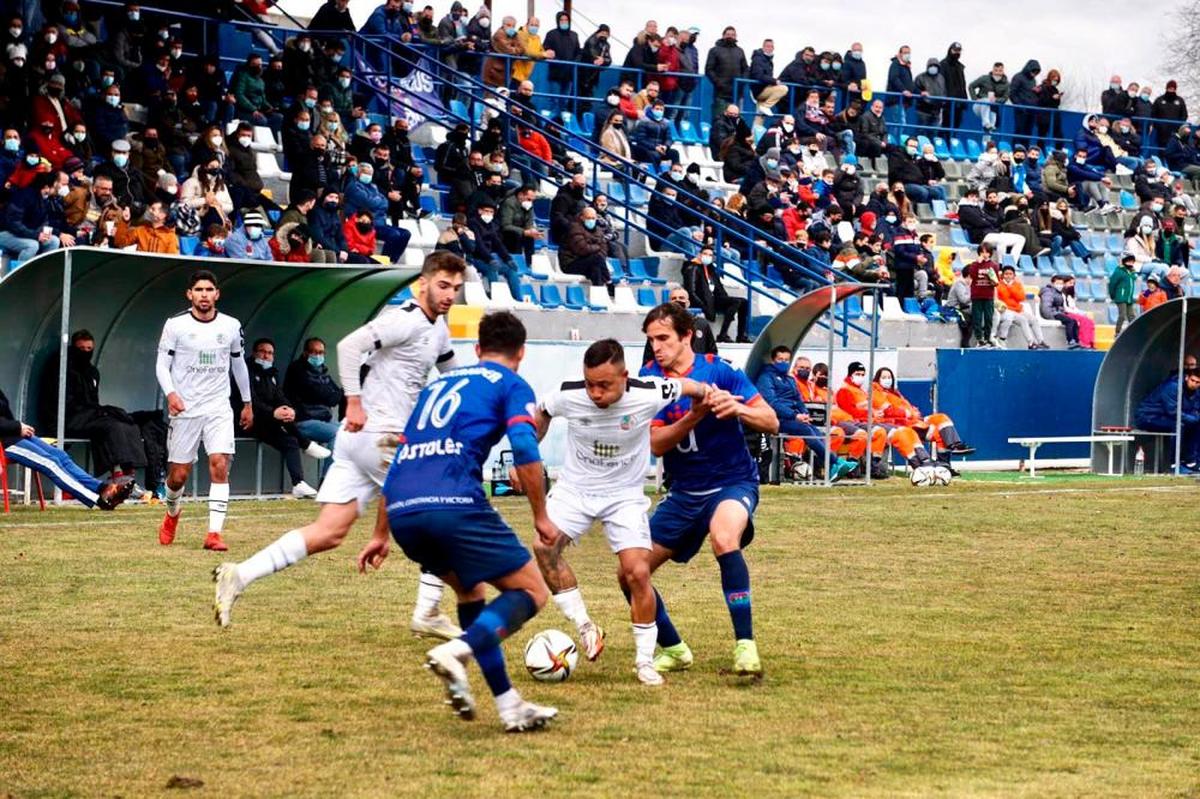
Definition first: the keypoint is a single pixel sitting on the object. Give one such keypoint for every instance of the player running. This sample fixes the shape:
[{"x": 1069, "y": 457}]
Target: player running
[
  {"x": 608, "y": 451},
  {"x": 442, "y": 519},
  {"x": 198, "y": 350},
  {"x": 714, "y": 481},
  {"x": 399, "y": 348}
]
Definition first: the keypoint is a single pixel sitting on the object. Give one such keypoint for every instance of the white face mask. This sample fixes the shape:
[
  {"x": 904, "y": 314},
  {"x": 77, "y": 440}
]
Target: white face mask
[
  {"x": 217, "y": 141},
  {"x": 856, "y": 379},
  {"x": 244, "y": 141},
  {"x": 487, "y": 218},
  {"x": 527, "y": 204},
  {"x": 886, "y": 382}
]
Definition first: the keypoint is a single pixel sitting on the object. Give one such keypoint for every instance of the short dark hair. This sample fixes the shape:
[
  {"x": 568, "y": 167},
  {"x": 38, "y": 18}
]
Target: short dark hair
[
  {"x": 779, "y": 350},
  {"x": 606, "y": 350},
  {"x": 201, "y": 274},
  {"x": 258, "y": 342},
  {"x": 82, "y": 335},
  {"x": 823, "y": 368},
  {"x": 680, "y": 318},
  {"x": 443, "y": 261},
  {"x": 308, "y": 342},
  {"x": 501, "y": 333},
  {"x": 1008, "y": 268}
]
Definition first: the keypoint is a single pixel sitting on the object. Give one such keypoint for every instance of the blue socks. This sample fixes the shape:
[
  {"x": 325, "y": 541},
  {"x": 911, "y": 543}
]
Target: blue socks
[
  {"x": 468, "y": 612},
  {"x": 667, "y": 634},
  {"x": 735, "y": 584},
  {"x": 489, "y": 627}
]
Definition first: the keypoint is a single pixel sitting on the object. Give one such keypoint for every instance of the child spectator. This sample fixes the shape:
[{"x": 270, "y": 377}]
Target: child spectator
[
  {"x": 1053, "y": 305},
  {"x": 1122, "y": 288},
  {"x": 360, "y": 234},
  {"x": 982, "y": 276},
  {"x": 1153, "y": 296}
]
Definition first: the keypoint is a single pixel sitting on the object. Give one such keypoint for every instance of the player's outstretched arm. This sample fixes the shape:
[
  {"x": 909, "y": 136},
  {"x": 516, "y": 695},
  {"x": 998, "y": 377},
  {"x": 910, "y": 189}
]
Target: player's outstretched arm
[
  {"x": 541, "y": 420},
  {"x": 666, "y": 437}
]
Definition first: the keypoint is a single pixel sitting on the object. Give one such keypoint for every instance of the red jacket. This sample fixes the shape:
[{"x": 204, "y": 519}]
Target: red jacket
[
  {"x": 536, "y": 145},
  {"x": 43, "y": 110},
  {"x": 51, "y": 148},
  {"x": 361, "y": 243},
  {"x": 670, "y": 57},
  {"x": 294, "y": 256}
]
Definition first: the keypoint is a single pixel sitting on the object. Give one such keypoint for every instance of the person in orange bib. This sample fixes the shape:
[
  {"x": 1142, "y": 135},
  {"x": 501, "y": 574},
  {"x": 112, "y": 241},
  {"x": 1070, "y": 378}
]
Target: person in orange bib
[
  {"x": 897, "y": 410},
  {"x": 813, "y": 384}
]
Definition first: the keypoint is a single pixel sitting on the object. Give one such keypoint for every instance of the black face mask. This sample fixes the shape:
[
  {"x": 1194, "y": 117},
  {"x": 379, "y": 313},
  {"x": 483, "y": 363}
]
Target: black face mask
[
  {"x": 803, "y": 373},
  {"x": 364, "y": 227},
  {"x": 822, "y": 381},
  {"x": 80, "y": 355},
  {"x": 332, "y": 206}
]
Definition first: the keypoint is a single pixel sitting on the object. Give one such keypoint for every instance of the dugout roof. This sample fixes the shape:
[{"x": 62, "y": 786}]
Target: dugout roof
[{"x": 123, "y": 298}]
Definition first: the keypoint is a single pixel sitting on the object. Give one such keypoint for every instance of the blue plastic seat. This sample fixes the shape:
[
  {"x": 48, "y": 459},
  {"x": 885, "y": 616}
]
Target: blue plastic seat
[
  {"x": 637, "y": 271},
  {"x": 576, "y": 296},
  {"x": 940, "y": 149},
  {"x": 618, "y": 272},
  {"x": 939, "y": 208},
  {"x": 646, "y": 298},
  {"x": 666, "y": 295},
  {"x": 188, "y": 244},
  {"x": 525, "y": 271},
  {"x": 910, "y": 305},
  {"x": 1083, "y": 290},
  {"x": 958, "y": 237},
  {"x": 552, "y": 298},
  {"x": 1128, "y": 200},
  {"x": 1025, "y": 262},
  {"x": 528, "y": 295},
  {"x": 851, "y": 308},
  {"x": 1045, "y": 266},
  {"x": 1194, "y": 270},
  {"x": 1060, "y": 266},
  {"x": 973, "y": 149},
  {"x": 638, "y": 195},
  {"x": 705, "y": 131},
  {"x": 1098, "y": 267},
  {"x": 1007, "y": 260},
  {"x": 1116, "y": 243},
  {"x": 1004, "y": 146},
  {"x": 687, "y": 132},
  {"x": 957, "y": 151}
]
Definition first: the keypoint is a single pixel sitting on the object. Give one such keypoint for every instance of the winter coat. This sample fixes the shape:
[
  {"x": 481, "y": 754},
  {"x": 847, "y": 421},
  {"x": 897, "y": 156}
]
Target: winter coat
[
  {"x": 488, "y": 241},
  {"x": 365, "y": 196},
  {"x": 726, "y": 61},
  {"x": 762, "y": 71},
  {"x": 985, "y": 84},
  {"x": 1169, "y": 106},
  {"x": 1161, "y": 405},
  {"x": 1054, "y": 178},
  {"x": 495, "y": 69},
  {"x": 899, "y": 79},
  {"x": 1122, "y": 285},
  {"x": 779, "y": 390},
  {"x": 356, "y": 241},
  {"x": 1116, "y": 103},
  {"x": 954, "y": 75},
  {"x": 239, "y": 245},
  {"x": 933, "y": 85},
  {"x": 902, "y": 167},
  {"x": 581, "y": 242},
  {"x": 311, "y": 390},
  {"x": 1051, "y": 302},
  {"x": 325, "y": 229},
  {"x": 1022, "y": 89},
  {"x": 854, "y": 70},
  {"x": 871, "y": 128},
  {"x": 977, "y": 220}
]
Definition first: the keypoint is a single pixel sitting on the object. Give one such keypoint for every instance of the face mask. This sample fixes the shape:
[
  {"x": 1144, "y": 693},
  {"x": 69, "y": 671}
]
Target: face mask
[
  {"x": 487, "y": 218},
  {"x": 244, "y": 141},
  {"x": 264, "y": 363},
  {"x": 217, "y": 245},
  {"x": 821, "y": 380},
  {"x": 485, "y": 22},
  {"x": 656, "y": 115},
  {"x": 932, "y": 70},
  {"x": 825, "y": 66},
  {"x": 886, "y": 382},
  {"x": 1116, "y": 87},
  {"x": 254, "y": 232},
  {"x": 856, "y": 379},
  {"x": 911, "y": 150},
  {"x": 12, "y": 145},
  {"x": 51, "y": 37},
  {"x": 1123, "y": 128},
  {"x": 16, "y": 32},
  {"x": 63, "y": 191},
  {"x": 772, "y": 163},
  {"x": 533, "y": 29},
  {"x": 890, "y": 219},
  {"x": 305, "y": 125},
  {"x": 1146, "y": 96},
  {"x": 344, "y": 83},
  {"x": 677, "y": 176},
  {"x": 706, "y": 260},
  {"x": 134, "y": 16},
  {"x": 365, "y": 178},
  {"x": 849, "y": 169},
  {"x": 856, "y": 55},
  {"x": 613, "y": 99},
  {"x": 527, "y": 204},
  {"x": 332, "y": 124},
  {"x": 564, "y": 26},
  {"x": 905, "y": 58},
  {"x": 590, "y": 224},
  {"x": 316, "y": 361},
  {"x": 510, "y": 32},
  {"x": 375, "y": 136},
  {"x": 1102, "y": 131},
  {"x": 837, "y": 65},
  {"x": 113, "y": 100},
  {"x": 1157, "y": 207},
  {"x": 1081, "y": 160},
  {"x": 120, "y": 160},
  {"x": 305, "y": 47}
]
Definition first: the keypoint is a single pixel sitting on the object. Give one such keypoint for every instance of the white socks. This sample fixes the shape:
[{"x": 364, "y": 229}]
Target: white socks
[
  {"x": 174, "y": 495},
  {"x": 570, "y": 602},
  {"x": 287, "y": 550},
  {"x": 218, "y": 504},
  {"x": 429, "y": 596},
  {"x": 645, "y": 636}
]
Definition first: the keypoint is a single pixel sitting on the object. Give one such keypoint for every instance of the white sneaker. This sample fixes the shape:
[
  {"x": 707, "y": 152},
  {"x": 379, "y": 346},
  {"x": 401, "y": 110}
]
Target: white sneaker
[
  {"x": 229, "y": 588},
  {"x": 447, "y": 662},
  {"x": 527, "y": 717},
  {"x": 592, "y": 638},
  {"x": 648, "y": 675},
  {"x": 303, "y": 490},
  {"x": 315, "y": 450},
  {"x": 436, "y": 625}
]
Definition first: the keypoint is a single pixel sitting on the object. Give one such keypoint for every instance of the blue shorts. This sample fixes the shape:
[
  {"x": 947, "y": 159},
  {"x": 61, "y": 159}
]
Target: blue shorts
[
  {"x": 680, "y": 522},
  {"x": 473, "y": 543}
]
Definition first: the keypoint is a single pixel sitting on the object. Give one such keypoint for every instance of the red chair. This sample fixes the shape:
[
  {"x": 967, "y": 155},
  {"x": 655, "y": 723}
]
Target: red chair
[{"x": 37, "y": 479}]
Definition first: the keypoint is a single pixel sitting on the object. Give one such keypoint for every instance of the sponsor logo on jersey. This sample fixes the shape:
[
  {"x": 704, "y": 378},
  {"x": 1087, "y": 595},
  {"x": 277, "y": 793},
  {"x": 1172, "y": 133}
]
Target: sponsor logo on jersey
[
  {"x": 603, "y": 450},
  {"x": 424, "y": 449}
]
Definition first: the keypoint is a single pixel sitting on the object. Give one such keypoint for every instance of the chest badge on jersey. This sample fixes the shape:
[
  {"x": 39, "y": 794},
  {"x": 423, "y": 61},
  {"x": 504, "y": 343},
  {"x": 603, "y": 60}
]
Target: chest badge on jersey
[{"x": 626, "y": 422}]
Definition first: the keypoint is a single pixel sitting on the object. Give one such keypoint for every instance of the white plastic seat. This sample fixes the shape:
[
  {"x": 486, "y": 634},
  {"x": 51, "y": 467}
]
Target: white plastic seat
[
  {"x": 424, "y": 232},
  {"x": 266, "y": 165},
  {"x": 414, "y": 256},
  {"x": 474, "y": 294},
  {"x": 501, "y": 296},
  {"x": 598, "y": 296},
  {"x": 624, "y": 301}
]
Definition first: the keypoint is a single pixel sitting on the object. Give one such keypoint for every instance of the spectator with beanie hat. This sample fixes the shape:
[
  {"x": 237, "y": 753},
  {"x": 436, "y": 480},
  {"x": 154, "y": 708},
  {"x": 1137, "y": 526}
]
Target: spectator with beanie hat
[{"x": 247, "y": 240}]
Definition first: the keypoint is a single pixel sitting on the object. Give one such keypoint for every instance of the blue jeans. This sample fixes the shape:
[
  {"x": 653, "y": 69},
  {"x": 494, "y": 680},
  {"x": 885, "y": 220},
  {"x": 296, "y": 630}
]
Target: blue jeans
[
  {"x": 812, "y": 438},
  {"x": 1076, "y": 246},
  {"x": 1129, "y": 161},
  {"x": 492, "y": 271},
  {"x": 318, "y": 431},
  {"x": 1189, "y": 447},
  {"x": 394, "y": 240},
  {"x": 35, "y": 454},
  {"x": 685, "y": 99},
  {"x": 1155, "y": 270},
  {"x": 567, "y": 101},
  {"x": 20, "y": 249},
  {"x": 924, "y": 193}
]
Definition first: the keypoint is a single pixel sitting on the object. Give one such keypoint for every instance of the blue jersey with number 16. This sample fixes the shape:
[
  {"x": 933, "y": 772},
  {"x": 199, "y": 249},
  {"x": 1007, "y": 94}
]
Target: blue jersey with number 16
[{"x": 457, "y": 420}]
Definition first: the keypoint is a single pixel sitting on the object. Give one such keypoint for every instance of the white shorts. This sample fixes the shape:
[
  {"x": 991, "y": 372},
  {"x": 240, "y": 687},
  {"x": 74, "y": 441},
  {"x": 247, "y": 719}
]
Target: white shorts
[
  {"x": 184, "y": 435},
  {"x": 357, "y": 472},
  {"x": 623, "y": 515}
]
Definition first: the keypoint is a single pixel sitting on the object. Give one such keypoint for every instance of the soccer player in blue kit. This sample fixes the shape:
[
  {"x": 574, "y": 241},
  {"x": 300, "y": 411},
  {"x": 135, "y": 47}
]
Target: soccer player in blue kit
[
  {"x": 714, "y": 481},
  {"x": 441, "y": 517}
]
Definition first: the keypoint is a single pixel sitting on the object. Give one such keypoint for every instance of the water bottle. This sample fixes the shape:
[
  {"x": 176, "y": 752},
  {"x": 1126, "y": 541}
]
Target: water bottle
[{"x": 1139, "y": 462}]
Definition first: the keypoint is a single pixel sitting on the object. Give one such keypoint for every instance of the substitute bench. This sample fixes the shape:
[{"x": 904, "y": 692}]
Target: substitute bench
[{"x": 1033, "y": 442}]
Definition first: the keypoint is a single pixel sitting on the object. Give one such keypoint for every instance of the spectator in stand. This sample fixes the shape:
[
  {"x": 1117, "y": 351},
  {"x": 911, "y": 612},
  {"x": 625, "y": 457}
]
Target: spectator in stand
[
  {"x": 1052, "y": 305},
  {"x": 298, "y": 132},
  {"x": 702, "y": 281},
  {"x": 1170, "y": 107},
  {"x": 498, "y": 71},
  {"x": 340, "y": 94},
  {"x": 955, "y": 78},
  {"x": 518, "y": 227},
  {"x": 900, "y": 88},
  {"x": 930, "y": 86},
  {"x": 614, "y": 140},
  {"x": 725, "y": 127},
  {"x": 250, "y": 95},
  {"x": 491, "y": 258},
  {"x": 107, "y": 120},
  {"x": 293, "y": 231},
  {"x": 1181, "y": 154},
  {"x": 291, "y": 244},
  {"x": 957, "y": 306},
  {"x": 616, "y": 248},
  {"x": 452, "y": 161},
  {"x": 212, "y": 245},
  {"x": 585, "y": 250},
  {"x": 1087, "y": 328},
  {"x": 153, "y": 235},
  {"x": 1090, "y": 184},
  {"x": 1172, "y": 285},
  {"x": 1153, "y": 296},
  {"x": 358, "y": 229},
  {"x": 457, "y": 238},
  {"x": 206, "y": 197},
  {"x": 333, "y": 15},
  {"x": 668, "y": 63},
  {"x": 983, "y": 279},
  {"x": 1023, "y": 92},
  {"x": 1172, "y": 249},
  {"x": 844, "y": 125},
  {"x": 362, "y": 194},
  {"x": 870, "y": 136},
  {"x": 247, "y": 241},
  {"x": 1142, "y": 244},
  {"x": 325, "y": 227},
  {"x": 1115, "y": 101},
  {"x": 1089, "y": 139},
  {"x": 28, "y": 228},
  {"x": 848, "y": 187},
  {"x": 920, "y": 174},
  {"x": 726, "y": 62},
  {"x": 767, "y": 91},
  {"x": 530, "y": 41},
  {"x": 907, "y": 258},
  {"x": 595, "y": 52},
  {"x": 564, "y": 51},
  {"x": 1013, "y": 309},
  {"x": 1122, "y": 290},
  {"x": 641, "y": 57},
  {"x": 1147, "y": 183},
  {"x": 1056, "y": 229},
  {"x": 313, "y": 392},
  {"x": 689, "y": 63},
  {"x": 1141, "y": 109},
  {"x": 981, "y": 223},
  {"x": 801, "y": 70},
  {"x": 275, "y": 418},
  {"x": 1048, "y": 122},
  {"x": 651, "y": 140},
  {"x": 989, "y": 91},
  {"x": 565, "y": 207}
]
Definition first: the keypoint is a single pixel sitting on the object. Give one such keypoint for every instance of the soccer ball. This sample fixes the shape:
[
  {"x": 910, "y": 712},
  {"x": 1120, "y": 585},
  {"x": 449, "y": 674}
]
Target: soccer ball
[
  {"x": 922, "y": 476},
  {"x": 941, "y": 476},
  {"x": 550, "y": 656}
]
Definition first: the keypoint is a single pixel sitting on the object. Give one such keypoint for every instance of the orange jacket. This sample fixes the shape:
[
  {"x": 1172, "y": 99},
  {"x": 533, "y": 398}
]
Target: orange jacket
[
  {"x": 1150, "y": 300},
  {"x": 853, "y": 400},
  {"x": 896, "y": 409},
  {"x": 811, "y": 392},
  {"x": 147, "y": 238},
  {"x": 1012, "y": 296}
]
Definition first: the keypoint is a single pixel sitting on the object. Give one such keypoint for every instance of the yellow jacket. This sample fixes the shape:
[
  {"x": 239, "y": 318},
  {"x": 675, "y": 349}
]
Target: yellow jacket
[{"x": 531, "y": 47}]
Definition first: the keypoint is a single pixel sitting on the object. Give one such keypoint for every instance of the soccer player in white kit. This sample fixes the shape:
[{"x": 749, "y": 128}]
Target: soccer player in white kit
[
  {"x": 608, "y": 452},
  {"x": 396, "y": 350},
  {"x": 198, "y": 349}
]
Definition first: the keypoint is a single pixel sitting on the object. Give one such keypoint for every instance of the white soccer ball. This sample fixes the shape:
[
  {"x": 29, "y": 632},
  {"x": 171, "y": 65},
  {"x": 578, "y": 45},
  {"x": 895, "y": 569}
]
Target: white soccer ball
[
  {"x": 550, "y": 656},
  {"x": 942, "y": 476},
  {"x": 922, "y": 476}
]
